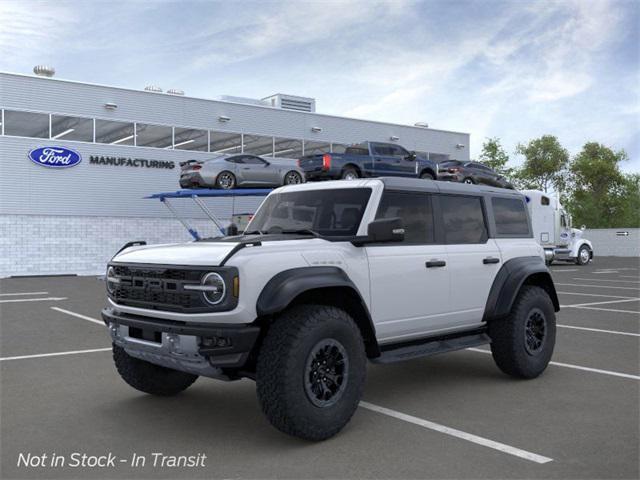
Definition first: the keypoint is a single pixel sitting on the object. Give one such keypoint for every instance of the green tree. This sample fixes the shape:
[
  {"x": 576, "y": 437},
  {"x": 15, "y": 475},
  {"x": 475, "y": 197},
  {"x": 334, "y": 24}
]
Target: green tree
[
  {"x": 494, "y": 156},
  {"x": 601, "y": 196},
  {"x": 545, "y": 164}
]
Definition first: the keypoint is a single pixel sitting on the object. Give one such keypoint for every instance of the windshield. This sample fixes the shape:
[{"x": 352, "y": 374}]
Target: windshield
[{"x": 335, "y": 212}]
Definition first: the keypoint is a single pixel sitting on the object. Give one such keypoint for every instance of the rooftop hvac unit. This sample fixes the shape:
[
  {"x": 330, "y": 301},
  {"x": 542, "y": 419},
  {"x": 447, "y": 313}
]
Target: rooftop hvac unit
[
  {"x": 175, "y": 91},
  {"x": 44, "y": 71},
  {"x": 153, "y": 88},
  {"x": 291, "y": 102}
]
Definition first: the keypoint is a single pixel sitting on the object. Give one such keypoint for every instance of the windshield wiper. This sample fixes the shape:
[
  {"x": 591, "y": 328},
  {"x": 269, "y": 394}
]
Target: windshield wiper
[{"x": 302, "y": 231}]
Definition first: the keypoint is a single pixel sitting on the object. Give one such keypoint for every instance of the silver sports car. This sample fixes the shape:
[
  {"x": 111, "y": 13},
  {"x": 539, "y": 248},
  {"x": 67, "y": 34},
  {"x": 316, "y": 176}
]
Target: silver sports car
[{"x": 239, "y": 170}]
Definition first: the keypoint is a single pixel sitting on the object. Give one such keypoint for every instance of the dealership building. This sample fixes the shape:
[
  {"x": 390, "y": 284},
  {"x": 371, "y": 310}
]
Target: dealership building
[{"x": 128, "y": 145}]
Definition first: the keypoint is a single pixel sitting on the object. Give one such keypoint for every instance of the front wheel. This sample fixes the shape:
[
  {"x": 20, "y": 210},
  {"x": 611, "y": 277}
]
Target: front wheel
[
  {"x": 148, "y": 377},
  {"x": 468, "y": 181},
  {"x": 292, "y": 178},
  {"x": 226, "y": 180},
  {"x": 523, "y": 342},
  {"x": 584, "y": 255},
  {"x": 311, "y": 371},
  {"x": 427, "y": 176}
]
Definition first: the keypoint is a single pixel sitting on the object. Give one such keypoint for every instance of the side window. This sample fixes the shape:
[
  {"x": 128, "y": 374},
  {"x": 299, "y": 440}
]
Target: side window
[
  {"x": 511, "y": 216},
  {"x": 253, "y": 160},
  {"x": 463, "y": 219},
  {"x": 379, "y": 149},
  {"x": 235, "y": 160},
  {"x": 398, "y": 151},
  {"x": 544, "y": 200},
  {"x": 415, "y": 211}
]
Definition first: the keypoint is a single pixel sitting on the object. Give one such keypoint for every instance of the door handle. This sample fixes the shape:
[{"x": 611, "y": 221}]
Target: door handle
[
  {"x": 435, "y": 263},
  {"x": 490, "y": 260}
]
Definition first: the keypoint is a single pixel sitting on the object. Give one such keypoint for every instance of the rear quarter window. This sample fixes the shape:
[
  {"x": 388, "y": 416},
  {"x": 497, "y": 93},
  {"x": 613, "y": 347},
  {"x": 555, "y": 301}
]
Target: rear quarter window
[{"x": 510, "y": 216}]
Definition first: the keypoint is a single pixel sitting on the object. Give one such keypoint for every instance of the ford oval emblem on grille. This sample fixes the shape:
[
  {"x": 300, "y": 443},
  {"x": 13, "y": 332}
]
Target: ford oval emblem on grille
[{"x": 55, "y": 157}]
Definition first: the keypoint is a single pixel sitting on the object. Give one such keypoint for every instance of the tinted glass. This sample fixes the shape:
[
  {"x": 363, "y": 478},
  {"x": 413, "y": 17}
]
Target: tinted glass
[
  {"x": 26, "y": 124},
  {"x": 114, "y": 133},
  {"x": 336, "y": 212},
  {"x": 438, "y": 157},
  {"x": 398, "y": 151},
  {"x": 463, "y": 219},
  {"x": 225, "y": 143},
  {"x": 238, "y": 159},
  {"x": 287, "y": 148},
  {"x": 190, "y": 139},
  {"x": 415, "y": 211},
  {"x": 71, "y": 128},
  {"x": 157, "y": 136},
  {"x": 312, "y": 148},
  {"x": 252, "y": 160},
  {"x": 510, "y": 216},
  {"x": 258, "y": 145},
  {"x": 544, "y": 200}
]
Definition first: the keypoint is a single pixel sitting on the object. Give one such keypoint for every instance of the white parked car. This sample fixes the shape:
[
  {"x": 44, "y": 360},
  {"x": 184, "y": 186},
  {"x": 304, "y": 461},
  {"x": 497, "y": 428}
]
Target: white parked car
[{"x": 327, "y": 276}]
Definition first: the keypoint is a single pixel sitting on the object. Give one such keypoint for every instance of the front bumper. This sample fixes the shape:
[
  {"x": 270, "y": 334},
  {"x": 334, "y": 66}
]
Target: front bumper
[{"x": 196, "y": 348}]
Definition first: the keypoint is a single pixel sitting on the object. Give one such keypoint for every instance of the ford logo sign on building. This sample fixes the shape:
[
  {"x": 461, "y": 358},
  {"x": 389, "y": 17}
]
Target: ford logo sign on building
[{"x": 55, "y": 157}]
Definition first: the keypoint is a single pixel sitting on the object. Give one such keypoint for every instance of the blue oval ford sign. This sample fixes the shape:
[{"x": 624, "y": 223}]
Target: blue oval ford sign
[{"x": 55, "y": 157}]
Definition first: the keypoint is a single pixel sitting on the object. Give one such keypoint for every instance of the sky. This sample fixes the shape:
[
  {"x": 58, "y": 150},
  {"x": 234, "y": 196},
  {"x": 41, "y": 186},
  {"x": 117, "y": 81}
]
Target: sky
[{"x": 514, "y": 70}]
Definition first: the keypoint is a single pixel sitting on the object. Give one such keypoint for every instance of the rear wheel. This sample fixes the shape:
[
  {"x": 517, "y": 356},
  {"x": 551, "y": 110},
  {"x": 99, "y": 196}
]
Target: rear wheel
[
  {"x": 350, "y": 173},
  {"x": 150, "y": 378},
  {"x": 584, "y": 255},
  {"x": 292, "y": 178},
  {"x": 226, "y": 180},
  {"x": 523, "y": 342},
  {"x": 311, "y": 371},
  {"x": 427, "y": 176}
]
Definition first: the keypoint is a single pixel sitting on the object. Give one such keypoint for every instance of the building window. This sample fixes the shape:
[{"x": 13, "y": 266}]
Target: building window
[
  {"x": 313, "y": 148},
  {"x": 226, "y": 143},
  {"x": 438, "y": 157},
  {"x": 71, "y": 128},
  {"x": 258, "y": 145},
  {"x": 157, "y": 136},
  {"x": 114, "y": 133},
  {"x": 287, "y": 148},
  {"x": 191, "y": 139},
  {"x": 463, "y": 219},
  {"x": 26, "y": 124}
]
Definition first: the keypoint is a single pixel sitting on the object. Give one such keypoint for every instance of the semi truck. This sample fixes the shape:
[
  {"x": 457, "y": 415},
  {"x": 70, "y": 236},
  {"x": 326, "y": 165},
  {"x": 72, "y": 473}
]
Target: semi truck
[{"x": 553, "y": 230}]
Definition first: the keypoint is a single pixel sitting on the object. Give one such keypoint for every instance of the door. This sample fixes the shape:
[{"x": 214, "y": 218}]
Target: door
[
  {"x": 473, "y": 258},
  {"x": 254, "y": 170},
  {"x": 409, "y": 280},
  {"x": 383, "y": 160}
]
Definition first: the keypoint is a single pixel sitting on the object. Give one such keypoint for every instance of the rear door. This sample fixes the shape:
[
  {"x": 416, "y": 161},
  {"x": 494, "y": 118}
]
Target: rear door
[
  {"x": 409, "y": 280},
  {"x": 474, "y": 258}
]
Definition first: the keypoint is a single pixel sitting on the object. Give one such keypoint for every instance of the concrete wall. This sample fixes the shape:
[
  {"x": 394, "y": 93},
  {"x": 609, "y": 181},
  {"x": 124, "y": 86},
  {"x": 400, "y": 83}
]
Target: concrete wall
[{"x": 608, "y": 242}]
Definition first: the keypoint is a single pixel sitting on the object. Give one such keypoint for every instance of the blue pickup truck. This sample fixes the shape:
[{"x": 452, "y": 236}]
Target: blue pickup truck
[{"x": 368, "y": 159}]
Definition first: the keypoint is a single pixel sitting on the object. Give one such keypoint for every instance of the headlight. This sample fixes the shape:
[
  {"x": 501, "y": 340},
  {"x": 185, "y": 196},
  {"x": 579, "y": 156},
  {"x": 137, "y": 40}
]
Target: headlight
[
  {"x": 112, "y": 280},
  {"x": 212, "y": 287}
]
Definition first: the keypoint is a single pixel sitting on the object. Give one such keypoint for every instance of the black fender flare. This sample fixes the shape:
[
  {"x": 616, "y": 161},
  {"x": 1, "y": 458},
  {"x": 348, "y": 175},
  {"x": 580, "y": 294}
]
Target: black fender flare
[
  {"x": 285, "y": 286},
  {"x": 509, "y": 280}
]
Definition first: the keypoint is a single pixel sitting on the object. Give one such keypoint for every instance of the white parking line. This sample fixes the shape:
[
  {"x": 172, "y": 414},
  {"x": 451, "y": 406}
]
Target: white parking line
[
  {"x": 56, "y": 354},
  {"x": 485, "y": 442},
  {"x": 591, "y": 294},
  {"x": 599, "y": 330},
  {"x": 591, "y": 303},
  {"x": 48, "y": 299},
  {"x": 577, "y": 367},
  {"x": 23, "y": 293},
  {"x": 74, "y": 314},
  {"x": 598, "y": 286},
  {"x": 628, "y": 276},
  {"x": 633, "y": 312},
  {"x": 604, "y": 272},
  {"x": 606, "y": 280}
]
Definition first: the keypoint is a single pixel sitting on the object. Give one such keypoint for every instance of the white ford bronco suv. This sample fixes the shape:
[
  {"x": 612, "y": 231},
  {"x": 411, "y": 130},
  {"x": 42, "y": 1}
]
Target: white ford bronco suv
[{"x": 327, "y": 276}]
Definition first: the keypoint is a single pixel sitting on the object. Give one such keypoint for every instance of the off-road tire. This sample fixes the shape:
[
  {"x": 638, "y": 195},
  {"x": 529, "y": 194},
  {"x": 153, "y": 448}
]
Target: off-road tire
[
  {"x": 508, "y": 344},
  {"x": 220, "y": 178},
  {"x": 427, "y": 176},
  {"x": 150, "y": 378},
  {"x": 282, "y": 371},
  {"x": 350, "y": 173},
  {"x": 579, "y": 260}
]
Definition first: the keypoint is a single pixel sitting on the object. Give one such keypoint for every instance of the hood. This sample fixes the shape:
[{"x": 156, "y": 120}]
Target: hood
[
  {"x": 196, "y": 253},
  {"x": 576, "y": 233}
]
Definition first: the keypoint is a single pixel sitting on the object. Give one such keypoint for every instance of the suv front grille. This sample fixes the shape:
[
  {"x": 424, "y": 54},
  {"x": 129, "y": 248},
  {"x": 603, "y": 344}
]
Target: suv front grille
[{"x": 162, "y": 288}]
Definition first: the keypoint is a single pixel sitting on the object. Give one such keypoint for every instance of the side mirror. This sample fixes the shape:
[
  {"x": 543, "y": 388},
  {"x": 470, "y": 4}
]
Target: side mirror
[
  {"x": 583, "y": 228},
  {"x": 411, "y": 156},
  {"x": 383, "y": 230}
]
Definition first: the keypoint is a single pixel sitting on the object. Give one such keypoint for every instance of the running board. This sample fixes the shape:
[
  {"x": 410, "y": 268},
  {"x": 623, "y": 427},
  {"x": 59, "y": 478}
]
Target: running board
[{"x": 431, "y": 346}]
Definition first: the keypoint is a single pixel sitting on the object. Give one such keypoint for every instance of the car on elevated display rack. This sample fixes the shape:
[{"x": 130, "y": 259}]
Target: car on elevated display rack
[
  {"x": 328, "y": 276},
  {"x": 472, "y": 173},
  {"x": 239, "y": 170}
]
